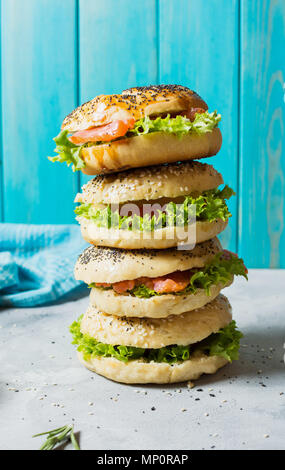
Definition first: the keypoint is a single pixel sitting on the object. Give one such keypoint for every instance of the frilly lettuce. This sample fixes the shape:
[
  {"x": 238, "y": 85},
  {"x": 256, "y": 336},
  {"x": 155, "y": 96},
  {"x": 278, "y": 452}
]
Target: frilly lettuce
[
  {"x": 225, "y": 343},
  {"x": 68, "y": 152},
  {"x": 89, "y": 346},
  {"x": 218, "y": 271},
  {"x": 143, "y": 292},
  {"x": 210, "y": 206},
  {"x": 179, "y": 125}
]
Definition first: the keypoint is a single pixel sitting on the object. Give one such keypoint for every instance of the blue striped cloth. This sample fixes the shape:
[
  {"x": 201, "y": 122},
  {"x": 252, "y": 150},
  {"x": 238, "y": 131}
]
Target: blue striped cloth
[{"x": 37, "y": 263}]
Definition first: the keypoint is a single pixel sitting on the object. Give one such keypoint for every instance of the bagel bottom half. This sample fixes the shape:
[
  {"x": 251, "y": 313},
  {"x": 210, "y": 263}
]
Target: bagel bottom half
[
  {"x": 159, "y": 306},
  {"x": 154, "y": 148},
  {"x": 162, "y": 238},
  {"x": 140, "y": 372}
]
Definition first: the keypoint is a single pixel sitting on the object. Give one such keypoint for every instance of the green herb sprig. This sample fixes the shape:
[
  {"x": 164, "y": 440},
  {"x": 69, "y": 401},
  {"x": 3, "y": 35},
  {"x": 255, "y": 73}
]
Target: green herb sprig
[{"x": 58, "y": 436}]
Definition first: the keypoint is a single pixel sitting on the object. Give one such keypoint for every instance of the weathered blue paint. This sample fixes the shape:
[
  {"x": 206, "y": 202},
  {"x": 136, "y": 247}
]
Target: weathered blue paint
[
  {"x": 1, "y": 146},
  {"x": 57, "y": 54},
  {"x": 117, "y": 46},
  {"x": 262, "y": 133},
  {"x": 38, "y": 89},
  {"x": 199, "y": 48}
]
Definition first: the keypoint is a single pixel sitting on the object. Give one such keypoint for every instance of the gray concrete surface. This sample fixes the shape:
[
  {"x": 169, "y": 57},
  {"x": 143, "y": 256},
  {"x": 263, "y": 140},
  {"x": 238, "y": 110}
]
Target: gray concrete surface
[{"x": 42, "y": 385}]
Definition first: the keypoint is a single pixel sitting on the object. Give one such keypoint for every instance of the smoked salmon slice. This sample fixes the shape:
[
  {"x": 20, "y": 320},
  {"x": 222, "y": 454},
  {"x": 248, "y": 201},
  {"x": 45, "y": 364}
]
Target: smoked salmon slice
[
  {"x": 110, "y": 131},
  {"x": 174, "y": 282}
]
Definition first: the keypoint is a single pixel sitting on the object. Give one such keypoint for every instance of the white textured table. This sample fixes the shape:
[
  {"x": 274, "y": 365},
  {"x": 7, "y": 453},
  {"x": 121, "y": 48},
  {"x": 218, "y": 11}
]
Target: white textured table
[{"x": 43, "y": 386}]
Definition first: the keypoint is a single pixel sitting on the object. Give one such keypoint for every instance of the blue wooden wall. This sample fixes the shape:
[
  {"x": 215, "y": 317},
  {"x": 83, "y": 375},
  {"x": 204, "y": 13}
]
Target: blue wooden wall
[{"x": 56, "y": 54}]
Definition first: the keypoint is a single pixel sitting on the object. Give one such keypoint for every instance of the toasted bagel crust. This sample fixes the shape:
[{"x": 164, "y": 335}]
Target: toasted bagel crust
[
  {"x": 187, "y": 328},
  {"x": 163, "y": 238},
  {"x": 158, "y": 306},
  {"x": 149, "y": 149},
  {"x": 151, "y": 183},
  {"x": 98, "y": 264},
  {"x": 139, "y": 372},
  {"x": 133, "y": 103}
]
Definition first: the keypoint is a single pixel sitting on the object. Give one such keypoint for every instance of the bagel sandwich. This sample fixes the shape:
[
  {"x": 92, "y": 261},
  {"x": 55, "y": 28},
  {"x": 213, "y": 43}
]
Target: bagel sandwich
[
  {"x": 175, "y": 349},
  {"x": 154, "y": 207},
  {"x": 142, "y": 126},
  {"x": 156, "y": 283}
]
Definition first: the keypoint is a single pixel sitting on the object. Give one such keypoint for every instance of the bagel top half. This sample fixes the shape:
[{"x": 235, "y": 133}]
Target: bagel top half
[
  {"x": 110, "y": 265},
  {"x": 133, "y": 103},
  {"x": 151, "y": 183}
]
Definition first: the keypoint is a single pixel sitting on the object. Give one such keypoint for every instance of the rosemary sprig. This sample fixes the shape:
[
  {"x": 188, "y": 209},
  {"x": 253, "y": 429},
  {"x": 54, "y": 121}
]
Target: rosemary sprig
[{"x": 56, "y": 436}]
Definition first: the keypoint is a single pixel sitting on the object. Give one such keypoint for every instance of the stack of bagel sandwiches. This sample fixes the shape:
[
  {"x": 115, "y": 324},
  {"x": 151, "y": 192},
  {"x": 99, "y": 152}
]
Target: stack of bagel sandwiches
[{"x": 151, "y": 214}]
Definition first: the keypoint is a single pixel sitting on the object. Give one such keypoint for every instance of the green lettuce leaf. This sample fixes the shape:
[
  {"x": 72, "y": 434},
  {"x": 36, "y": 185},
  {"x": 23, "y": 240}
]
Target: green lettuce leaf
[
  {"x": 211, "y": 205},
  {"x": 89, "y": 346},
  {"x": 180, "y": 125},
  {"x": 143, "y": 292},
  {"x": 170, "y": 354},
  {"x": 68, "y": 152},
  {"x": 225, "y": 343},
  {"x": 218, "y": 271}
]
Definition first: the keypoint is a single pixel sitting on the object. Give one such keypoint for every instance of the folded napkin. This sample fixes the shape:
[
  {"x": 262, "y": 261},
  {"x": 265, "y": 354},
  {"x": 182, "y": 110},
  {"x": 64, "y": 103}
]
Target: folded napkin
[{"x": 37, "y": 263}]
